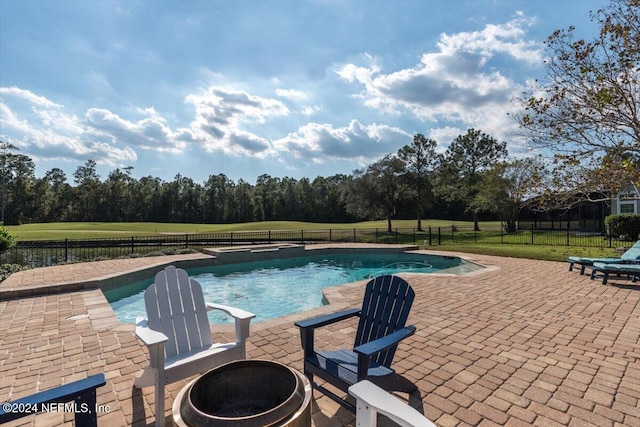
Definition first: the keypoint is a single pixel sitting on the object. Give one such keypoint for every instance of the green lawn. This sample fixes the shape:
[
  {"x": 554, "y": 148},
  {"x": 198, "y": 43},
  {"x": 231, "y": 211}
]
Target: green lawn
[
  {"x": 544, "y": 252},
  {"x": 88, "y": 230},
  {"x": 549, "y": 247}
]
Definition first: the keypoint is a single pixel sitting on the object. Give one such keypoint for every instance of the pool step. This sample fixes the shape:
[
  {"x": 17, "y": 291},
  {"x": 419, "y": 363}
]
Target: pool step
[{"x": 250, "y": 253}]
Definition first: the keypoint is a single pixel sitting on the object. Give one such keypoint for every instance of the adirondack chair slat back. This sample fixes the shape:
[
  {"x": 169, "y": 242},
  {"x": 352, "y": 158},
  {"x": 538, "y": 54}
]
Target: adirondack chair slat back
[
  {"x": 385, "y": 309},
  {"x": 175, "y": 306}
]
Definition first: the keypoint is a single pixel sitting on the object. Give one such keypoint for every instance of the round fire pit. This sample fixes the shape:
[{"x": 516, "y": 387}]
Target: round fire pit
[{"x": 251, "y": 393}]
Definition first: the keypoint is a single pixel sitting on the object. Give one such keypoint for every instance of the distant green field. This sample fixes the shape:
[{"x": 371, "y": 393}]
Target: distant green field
[
  {"x": 88, "y": 230},
  {"x": 491, "y": 241}
]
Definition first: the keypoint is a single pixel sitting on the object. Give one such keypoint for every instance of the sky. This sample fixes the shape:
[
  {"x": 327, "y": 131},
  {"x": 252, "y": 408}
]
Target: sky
[{"x": 245, "y": 88}]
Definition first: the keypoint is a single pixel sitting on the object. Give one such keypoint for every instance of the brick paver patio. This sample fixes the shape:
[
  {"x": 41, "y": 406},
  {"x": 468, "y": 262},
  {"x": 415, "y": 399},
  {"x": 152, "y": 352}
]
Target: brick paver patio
[{"x": 523, "y": 343}]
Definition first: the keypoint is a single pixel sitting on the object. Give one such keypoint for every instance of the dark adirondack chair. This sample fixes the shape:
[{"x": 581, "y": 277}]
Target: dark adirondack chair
[{"x": 385, "y": 308}]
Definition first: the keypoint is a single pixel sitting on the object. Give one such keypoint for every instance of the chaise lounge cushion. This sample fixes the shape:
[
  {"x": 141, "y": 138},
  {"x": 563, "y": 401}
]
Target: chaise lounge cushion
[
  {"x": 631, "y": 255},
  {"x": 617, "y": 268}
]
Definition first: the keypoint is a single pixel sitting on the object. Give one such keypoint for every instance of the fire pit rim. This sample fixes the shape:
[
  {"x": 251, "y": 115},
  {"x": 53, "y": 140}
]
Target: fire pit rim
[
  {"x": 301, "y": 383},
  {"x": 239, "y": 363}
]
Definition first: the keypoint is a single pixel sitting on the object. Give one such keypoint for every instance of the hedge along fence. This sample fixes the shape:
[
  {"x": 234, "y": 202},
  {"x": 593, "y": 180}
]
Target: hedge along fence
[
  {"x": 626, "y": 226},
  {"x": 46, "y": 253}
]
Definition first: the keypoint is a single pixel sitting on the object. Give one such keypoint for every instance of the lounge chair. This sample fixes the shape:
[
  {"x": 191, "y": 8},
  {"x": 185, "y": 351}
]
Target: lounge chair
[
  {"x": 178, "y": 336},
  {"x": 631, "y": 270},
  {"x": 371, "y": 400},
  {"x": 631, "y": 255},
  {"x": 385, "y": 309}
]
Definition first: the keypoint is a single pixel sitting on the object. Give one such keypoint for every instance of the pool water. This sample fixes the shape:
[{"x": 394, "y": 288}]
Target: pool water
[{"x": 276, "y": 288}]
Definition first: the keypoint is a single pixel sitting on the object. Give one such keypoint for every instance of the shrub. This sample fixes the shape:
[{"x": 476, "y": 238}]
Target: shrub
[
  {"x": 6, "y": 239},
  {"x": 154, "y": 253},
  {"x": 624, "y": 226},
  {"x": 186, "y": 251}
]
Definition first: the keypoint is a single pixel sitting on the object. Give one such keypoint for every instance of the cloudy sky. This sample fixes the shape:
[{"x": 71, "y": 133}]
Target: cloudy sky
[{"x": 287, "y": 88}]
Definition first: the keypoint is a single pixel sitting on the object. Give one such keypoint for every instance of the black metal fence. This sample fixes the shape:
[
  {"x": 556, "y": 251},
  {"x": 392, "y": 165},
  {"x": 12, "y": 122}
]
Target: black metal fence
[{"x": 46, "y": 253}]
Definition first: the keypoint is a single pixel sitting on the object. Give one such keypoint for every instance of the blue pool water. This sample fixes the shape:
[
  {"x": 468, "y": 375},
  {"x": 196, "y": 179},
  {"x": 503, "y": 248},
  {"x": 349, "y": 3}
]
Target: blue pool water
[{"x": 276, "y": 288}]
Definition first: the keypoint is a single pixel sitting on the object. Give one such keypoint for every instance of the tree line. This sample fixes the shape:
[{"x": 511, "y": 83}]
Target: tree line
[
  {"x": 121, "y": 197},
  {"x": 414, "y": 182}
]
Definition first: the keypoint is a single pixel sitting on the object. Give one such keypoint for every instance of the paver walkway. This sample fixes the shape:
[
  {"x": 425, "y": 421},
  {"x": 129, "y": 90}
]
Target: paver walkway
[{"x": 524, "y": 343}]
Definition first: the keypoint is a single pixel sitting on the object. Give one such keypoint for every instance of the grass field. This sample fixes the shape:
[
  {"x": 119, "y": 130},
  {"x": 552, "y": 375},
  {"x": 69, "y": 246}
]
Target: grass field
[
  {"x": 544, "y": 252},
  {"x": 88, "y": 230},
  {"x": 549, "y": 246}
]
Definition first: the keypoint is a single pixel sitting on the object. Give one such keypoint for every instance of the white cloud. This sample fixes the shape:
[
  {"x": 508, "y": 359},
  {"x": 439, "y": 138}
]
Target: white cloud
[
  {"x": 222, "y": 114},
  {"x": 150, "y": 132},
  {"x": 444, "y": 136},
  {"x": 318, "y": 142},
  {"x": 28, "y": 96},
  {"x": 455, "y": 84},
  {"x": 221, "y": 121},
  {"x": 51, "y": 134},
  {"x": 311, "y": 110},
  {"x": 292, "y": 94},
  {"x": 496, "y": 38},
  {"x": 353, "y": 73},
  {"x": 43, "y": 129},
  {"x": 57, "y": 119},
  {"x": 10, "y": 120}
]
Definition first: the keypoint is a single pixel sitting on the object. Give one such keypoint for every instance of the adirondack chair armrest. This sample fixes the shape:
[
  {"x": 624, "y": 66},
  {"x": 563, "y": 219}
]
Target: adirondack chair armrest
[
  {"x": 381, "y": 344},
  {"x": 367, "y": 350},
  {"x": 327, "y": 319},
  {"x": 154, "y": 341},
  {"x": 371, "y": 400},
  {"x": 147, "y": 335},
  {"x": 308, "y": 326},
  {"x": 242, "y": 319},
  {"x": 234, "y": 312},
  {"x": 82, "y": 393}
]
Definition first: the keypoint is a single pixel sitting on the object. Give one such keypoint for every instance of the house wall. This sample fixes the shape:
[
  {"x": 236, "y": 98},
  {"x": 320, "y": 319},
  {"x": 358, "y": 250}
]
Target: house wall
[
  {"x": 629, "y": 206},
  {"x": 627, "y": 201}
]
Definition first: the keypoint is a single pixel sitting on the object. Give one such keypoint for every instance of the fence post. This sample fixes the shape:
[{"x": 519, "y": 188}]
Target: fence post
[
  {"x": 396, "y": 235},
  {"x": 186, "y": 240},
  {"x": 231, "y": 238},
  {"x": 330, "y": 236},
  {"x": 414, "y": 236},
  {"x": 439, "y": 236},
  {"x": 66, "y": 250},
  {"x": 354, "y": 235},
  {"x": 302, "y": 236},
  {"x": 377, "y": 235},
  {"x": 532, "y": 234},
  {"x": 132, "y": 244},
  {"x": 568, "y": 229},
  {"x": 430, "y": 236}
]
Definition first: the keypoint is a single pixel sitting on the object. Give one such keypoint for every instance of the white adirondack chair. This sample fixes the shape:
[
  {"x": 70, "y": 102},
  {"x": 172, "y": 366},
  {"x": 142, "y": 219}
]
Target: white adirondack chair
[
  {"x": 372, "y": 400},
  {"x": 178, "y": 335}
]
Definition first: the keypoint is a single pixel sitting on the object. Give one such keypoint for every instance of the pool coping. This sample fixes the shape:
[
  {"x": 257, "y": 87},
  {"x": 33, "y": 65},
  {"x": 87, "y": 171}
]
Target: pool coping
[{"x": 38, "y": 282}]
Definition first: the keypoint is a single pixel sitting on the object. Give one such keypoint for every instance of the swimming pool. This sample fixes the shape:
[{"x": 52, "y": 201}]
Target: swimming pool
[{"x": 279, "y": 287}]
